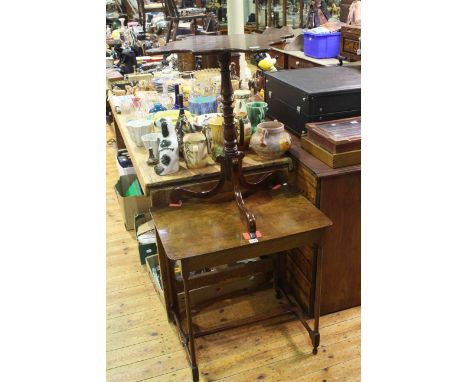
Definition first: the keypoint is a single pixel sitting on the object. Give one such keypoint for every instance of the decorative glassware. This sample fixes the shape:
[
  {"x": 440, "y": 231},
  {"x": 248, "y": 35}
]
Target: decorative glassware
[
  {"x": 176, "y": 94},
  {"x": 183, "y": 126}
]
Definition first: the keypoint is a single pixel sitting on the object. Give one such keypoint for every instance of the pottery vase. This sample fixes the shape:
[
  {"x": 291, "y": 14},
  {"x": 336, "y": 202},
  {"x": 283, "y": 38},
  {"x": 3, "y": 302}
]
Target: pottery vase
[
  {"x": 270, "y": 141},
  {"x": 195, "y": 150},
  {"x": 139, "y": 127},
  {"x": 203, "y": 105}
]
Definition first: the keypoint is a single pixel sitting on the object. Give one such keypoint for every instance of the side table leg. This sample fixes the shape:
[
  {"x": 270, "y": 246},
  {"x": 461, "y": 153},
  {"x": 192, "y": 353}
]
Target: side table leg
[
  {"x": 173, "y": 290},
  {"x": 318, "y": 292},
  {"x": 188, "y": 310},
  {"x": 276, "y": 275}
]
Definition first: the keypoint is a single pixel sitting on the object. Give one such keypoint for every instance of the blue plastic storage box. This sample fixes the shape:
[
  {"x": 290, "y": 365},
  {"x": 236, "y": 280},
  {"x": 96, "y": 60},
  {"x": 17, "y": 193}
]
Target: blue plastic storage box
[{"x": 321, "y": 45}]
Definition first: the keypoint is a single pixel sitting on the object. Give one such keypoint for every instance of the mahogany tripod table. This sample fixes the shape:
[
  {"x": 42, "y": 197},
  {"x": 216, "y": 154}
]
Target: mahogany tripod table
[
  {"x": 231, "y": 159},
  {"x": 206, "y": 235}
]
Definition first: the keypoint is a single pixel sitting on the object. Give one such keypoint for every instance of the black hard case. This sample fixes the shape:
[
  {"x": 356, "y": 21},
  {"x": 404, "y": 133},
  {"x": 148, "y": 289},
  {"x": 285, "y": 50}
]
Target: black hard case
[{"x": 298, "y": 96}]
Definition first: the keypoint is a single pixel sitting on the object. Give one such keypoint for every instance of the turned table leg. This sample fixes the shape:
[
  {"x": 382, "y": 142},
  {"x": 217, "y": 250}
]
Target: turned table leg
[
  {"x": 318, "y": 292},
  {"x": 188, "y": 310}
]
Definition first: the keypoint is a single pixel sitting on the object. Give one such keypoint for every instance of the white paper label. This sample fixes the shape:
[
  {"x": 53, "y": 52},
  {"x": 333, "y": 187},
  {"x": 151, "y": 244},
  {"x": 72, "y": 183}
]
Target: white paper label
[{"x": 251, "y": 241}]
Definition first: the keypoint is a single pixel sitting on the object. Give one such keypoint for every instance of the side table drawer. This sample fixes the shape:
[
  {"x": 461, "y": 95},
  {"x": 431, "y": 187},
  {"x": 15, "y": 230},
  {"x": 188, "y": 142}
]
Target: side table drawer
[{"x": 298, "y": 63}]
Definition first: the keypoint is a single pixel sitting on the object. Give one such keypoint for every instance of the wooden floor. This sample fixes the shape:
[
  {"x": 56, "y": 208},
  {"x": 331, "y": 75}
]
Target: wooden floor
[{"x": 142, "y": 345}]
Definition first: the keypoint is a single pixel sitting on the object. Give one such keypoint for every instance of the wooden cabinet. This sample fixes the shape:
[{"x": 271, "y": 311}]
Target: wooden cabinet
[
  {"x": 337, "y": 192},
  {"x": 350, "y": 42}
]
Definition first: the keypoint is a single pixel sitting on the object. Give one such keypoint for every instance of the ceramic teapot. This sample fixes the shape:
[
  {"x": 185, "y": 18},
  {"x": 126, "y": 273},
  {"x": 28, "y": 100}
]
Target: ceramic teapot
[{"x": 270, "y": 141}]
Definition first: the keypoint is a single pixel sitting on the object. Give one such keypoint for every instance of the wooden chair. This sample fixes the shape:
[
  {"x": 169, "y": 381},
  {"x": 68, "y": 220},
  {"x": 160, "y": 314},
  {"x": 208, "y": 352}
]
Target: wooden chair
[{"x": 174, "y": 17}]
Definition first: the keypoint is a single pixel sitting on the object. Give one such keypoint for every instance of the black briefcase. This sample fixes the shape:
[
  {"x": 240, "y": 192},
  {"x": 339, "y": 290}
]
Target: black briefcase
[{"x": 296, "y": 97}]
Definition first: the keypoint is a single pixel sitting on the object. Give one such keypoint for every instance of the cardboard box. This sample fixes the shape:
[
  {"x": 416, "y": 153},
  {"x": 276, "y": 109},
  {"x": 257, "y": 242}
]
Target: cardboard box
[
  {"x": 123, "y": 170},
  {"x": 143, "y": 223},
  {"x": 130, "y": 205}
]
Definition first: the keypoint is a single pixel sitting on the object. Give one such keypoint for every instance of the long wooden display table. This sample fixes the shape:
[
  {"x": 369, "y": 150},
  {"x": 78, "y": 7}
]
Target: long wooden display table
[{"x": 151, "y": 182}]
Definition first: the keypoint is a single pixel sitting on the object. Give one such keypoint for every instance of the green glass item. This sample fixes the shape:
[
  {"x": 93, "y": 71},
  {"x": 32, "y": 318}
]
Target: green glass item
[{"x": 256, "y": 112}]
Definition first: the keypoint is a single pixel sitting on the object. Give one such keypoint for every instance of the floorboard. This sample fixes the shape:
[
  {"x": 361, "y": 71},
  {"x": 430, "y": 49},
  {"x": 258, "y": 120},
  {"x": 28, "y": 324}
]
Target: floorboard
[{"x": 143, "y": 346}]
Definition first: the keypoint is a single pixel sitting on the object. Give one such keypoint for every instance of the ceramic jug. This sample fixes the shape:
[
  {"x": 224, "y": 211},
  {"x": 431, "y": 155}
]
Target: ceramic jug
[
  {"x": 215, "y": 125},
  {"x": 243, "y": 131},
  {"x": 241, "y": 97},
  {"x": 270, "y": 141},
  {"x": 257, "y": 113},
  {"x": 195, "y": 150}
]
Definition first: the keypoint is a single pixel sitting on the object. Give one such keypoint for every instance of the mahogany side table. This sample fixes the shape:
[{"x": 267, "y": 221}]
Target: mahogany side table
[{"x": 205, "y": 235}]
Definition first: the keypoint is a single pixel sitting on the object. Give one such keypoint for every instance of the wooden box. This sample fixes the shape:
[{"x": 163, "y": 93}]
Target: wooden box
[
  {"x": 350, "y": 42},
  {"x": 337, "y": 136},
  {"x": 336, "y": 160}
]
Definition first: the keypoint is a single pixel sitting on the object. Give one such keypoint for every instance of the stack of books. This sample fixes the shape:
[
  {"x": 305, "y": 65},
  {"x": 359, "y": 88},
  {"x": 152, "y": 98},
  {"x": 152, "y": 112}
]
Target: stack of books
[{"x": 336, "y": 143}]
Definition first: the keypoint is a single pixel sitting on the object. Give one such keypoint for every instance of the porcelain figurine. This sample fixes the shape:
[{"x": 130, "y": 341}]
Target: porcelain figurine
[
  {"x": 195, "y": 150},
  {"x": 168, "y": 162},
  {"x": 270, "y": 141}
]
